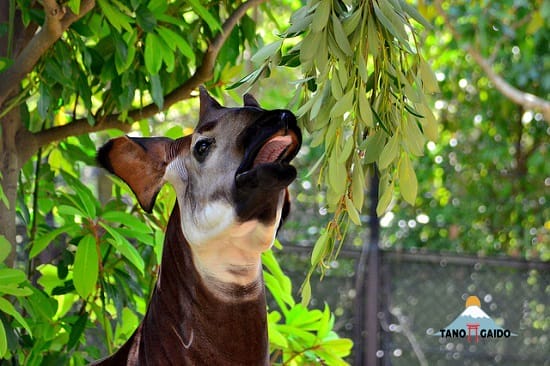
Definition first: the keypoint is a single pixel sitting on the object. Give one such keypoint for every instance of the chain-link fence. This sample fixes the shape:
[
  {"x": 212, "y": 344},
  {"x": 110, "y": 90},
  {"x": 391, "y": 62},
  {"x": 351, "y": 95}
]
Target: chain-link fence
[{"x": 419, "y": 293}]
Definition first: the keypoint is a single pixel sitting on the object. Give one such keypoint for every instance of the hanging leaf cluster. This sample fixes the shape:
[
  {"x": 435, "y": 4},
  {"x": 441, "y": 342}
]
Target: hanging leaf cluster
[{"x": 362, "y": 98}]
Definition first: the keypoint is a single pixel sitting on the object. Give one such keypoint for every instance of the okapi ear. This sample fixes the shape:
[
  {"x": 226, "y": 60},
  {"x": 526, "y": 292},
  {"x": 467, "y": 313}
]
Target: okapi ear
[
  {"x": 250, "y": 101},
  {"x": 207, "y": 103},
  {"x": 140, "y": 162}
]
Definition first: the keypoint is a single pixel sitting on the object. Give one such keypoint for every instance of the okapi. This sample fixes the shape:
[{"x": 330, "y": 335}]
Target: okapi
[{"x": 231, "y": 176}]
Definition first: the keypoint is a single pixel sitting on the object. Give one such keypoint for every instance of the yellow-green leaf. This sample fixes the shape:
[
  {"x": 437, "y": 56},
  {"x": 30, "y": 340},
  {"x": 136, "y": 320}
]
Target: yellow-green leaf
[
  {"x": 349, "y": 144},
  {"x": 320, "y": 248},
  {"x": 358, "y": 185},
  {"x": 429, "y": 81},
  {"x": 340, "y": 36},
  {"x": 266, "y": 52},
  {"x": 365, "y": 111},
  {"x": 407, "y": 179},
  {"x": 389, "y": 153},
  {"x": 343, "y": 105},
  {"x": 429, "y": 123},
  {"x": 306, "y": 292},
  {"x": 352, "y": 212},
  {"x": 320, "y": 17},
  {"x": 384, "y": 198},
  {"x": 373, "y": 146}
]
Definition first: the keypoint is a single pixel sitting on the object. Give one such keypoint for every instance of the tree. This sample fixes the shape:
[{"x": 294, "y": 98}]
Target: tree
[
  {"x": 73, "y": 68},
  {"x": 483, "y": 185},
  {"x": 80, "y": 88}
]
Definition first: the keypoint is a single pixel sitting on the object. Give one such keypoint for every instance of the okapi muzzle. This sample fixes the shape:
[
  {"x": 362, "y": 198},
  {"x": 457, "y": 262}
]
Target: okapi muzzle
[{"x": 231, "y": 177}]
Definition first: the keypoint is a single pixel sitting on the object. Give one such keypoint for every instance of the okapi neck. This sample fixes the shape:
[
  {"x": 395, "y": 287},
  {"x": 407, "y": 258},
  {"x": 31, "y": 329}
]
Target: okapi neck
[{"x": 196, "y": 326}]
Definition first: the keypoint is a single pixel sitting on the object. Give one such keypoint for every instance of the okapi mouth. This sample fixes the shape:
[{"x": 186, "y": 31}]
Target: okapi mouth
[{"x": 271, "y": 142}]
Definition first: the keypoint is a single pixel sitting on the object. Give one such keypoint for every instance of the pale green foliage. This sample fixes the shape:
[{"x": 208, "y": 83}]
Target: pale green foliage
[{"x": 362, "y": 97}]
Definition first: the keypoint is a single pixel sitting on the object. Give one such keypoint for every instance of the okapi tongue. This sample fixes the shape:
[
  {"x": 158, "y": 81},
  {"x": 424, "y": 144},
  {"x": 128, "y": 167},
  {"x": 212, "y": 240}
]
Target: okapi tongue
[{"x": 272, "y": 150}]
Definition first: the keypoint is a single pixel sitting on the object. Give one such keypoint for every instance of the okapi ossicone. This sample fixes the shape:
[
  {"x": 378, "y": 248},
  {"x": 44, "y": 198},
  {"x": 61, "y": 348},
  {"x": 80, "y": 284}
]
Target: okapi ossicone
[{"x": 231, "y": 177}]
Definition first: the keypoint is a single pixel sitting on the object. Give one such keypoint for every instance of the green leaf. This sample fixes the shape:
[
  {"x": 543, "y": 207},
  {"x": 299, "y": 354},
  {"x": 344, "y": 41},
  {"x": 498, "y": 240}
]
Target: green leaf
[
  {"x": 352, "y": 212},
  {"x": 340, "y": 347},
  {"x": 389, "y": 153},
  {"x": 123, "y": 246},
  {"x": 205, "y": 15},
  {"x": 118, "y": 19},
  {"x": 365, "y": 111},
  {"x": 152, "y": 53},
  {"x": 429, "y": 81},
  {"x": 5, "y": 248},
  {"x": 42, "y": 241},
  {"x": 3, "y": 196},
  {"x": 429, "y": 123},
  {"x": 3, "y": 340},
  {"x": 343, "y": 105},
  {"x": 156, "y": 90},
  {"x": 76, "y": 331},
  {"x": 85, "y": 270},
  {"x": 325, "y": 323},
  {"x": 306, "y": 292},
  {"x": 266, "y": 52},
  {"x": 9, "y": 309},
  {"x": 145, "y": 18},
  {"x": 386, "y": 15},
  {"x": 74, "y": 5},
  {"x": 320, "y": 17},
  {"x": 15, "y": 290},
  {"x": 358, "y": 185},
  {"x": 373, "y": 146},
  {"x": 129, "y": 220},
  {"x": 320, "y": 248},
  {"x": 70, "y": 211},
  {"x": 349, "y": 145},
  {"x": 414, "y": 13},
  {"x": 11, "y": 276},
  {"x": 275, "y": 337},
  {"x": 84, "y": 198},
  {"x": 386, "y": 194},
  {"x": 407, "y": 179},
  {"x": 175, "y": 40},
  {"x": 340, "y": 36}
]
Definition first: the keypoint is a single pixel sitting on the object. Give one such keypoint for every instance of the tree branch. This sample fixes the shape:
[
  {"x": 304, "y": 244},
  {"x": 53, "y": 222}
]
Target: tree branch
[
  {"x": 519, "y": 97},
  {"x": 30, "y": 142},
  {"x": 524, "y": 99},
  {"x": 202, "y": 74},
  {"x": 57, "y": 19}
]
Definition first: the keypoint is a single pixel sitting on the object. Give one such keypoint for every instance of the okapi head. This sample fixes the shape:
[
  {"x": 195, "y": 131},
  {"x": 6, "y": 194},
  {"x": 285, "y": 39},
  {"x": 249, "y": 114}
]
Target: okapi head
[{"x": 231, "y": 177}]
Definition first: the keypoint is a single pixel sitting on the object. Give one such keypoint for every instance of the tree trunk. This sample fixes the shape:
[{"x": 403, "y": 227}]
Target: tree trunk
[{"x": 9, "y": 167}]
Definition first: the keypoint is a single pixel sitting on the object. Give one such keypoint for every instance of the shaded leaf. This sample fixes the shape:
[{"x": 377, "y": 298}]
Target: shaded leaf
[{"x": 8, "y": 308}]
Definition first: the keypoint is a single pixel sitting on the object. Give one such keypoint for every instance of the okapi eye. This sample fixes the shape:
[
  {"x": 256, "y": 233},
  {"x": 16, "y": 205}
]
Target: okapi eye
[{"x": 201, "y": 149}]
